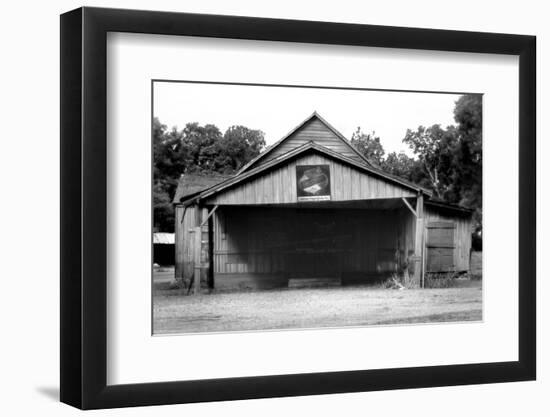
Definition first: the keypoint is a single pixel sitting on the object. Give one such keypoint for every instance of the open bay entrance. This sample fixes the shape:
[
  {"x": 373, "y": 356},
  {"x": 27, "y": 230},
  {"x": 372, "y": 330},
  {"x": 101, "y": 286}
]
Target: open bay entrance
[
  {"x": 266, "y": 247},
  {"x": 317, "y": 248}
]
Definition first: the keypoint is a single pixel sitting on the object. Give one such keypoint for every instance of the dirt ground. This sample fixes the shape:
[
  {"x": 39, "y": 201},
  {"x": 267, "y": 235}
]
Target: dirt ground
[
  {"x": 311, "y": 308},
  {"x": 163, "y": 274}
]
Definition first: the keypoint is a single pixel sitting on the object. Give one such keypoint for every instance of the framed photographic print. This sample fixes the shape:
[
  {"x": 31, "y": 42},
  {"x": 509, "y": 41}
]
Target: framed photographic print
[{"x": 257, "y": 208}]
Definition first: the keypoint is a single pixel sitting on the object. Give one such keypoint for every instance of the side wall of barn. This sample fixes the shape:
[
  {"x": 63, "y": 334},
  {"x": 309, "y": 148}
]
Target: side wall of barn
[{"x": 185, "y": 222}]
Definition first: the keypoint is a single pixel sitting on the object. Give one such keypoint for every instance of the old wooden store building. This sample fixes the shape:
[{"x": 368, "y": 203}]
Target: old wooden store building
[{"x": 311, "y": 206}]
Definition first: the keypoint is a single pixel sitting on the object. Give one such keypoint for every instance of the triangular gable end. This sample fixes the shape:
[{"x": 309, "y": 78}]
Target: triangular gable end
[
  {"x": 314, "y": 129},
  {"x": 257, "y": 173}
]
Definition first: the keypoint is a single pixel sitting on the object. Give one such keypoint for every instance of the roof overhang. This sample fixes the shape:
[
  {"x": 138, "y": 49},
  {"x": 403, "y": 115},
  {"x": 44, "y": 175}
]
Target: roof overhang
[{"x": 452, "y": 208}]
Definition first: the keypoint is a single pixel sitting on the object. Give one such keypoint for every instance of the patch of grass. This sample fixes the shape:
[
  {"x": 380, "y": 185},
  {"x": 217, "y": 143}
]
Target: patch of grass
[
  {"x": 450, "y": 280},
  {"x": 440, "y": 281},
  {"x": 393, "y": 282}
]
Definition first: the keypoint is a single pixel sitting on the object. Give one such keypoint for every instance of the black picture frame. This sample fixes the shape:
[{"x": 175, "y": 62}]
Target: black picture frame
[{"x": 83, "y": 207}]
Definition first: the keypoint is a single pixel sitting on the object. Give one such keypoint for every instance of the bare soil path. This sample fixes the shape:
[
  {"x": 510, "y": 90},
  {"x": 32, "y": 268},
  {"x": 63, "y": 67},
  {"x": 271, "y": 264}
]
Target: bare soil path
[{"x": 311, "y": 308}]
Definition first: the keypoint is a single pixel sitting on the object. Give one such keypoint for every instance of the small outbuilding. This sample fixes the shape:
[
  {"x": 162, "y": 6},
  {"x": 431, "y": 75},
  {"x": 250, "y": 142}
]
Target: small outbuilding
[
  {"x": 312, "y": 206},
  {"x": 163, "y": 248}
]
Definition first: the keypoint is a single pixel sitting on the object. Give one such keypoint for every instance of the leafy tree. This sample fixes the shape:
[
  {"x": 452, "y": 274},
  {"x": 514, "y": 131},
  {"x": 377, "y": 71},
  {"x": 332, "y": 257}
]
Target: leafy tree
[
  {"x": 469, "y": 155},
  {"x": 163, "y": 212},
  {"x": 398, "y": 164},
  {"x": 401, "y": 165},
  {"x": 238, "y": 146},
  {"x": 164, "y": 180},
  {"x": 447, "y": 160},
  {"x": 369, "y": 145},
  {"x": 197, "y": 145},
  {"x": 468, "y": 115},
  {"x": 435, "y": 147},
  {"x": 241, "y": 144},
  {"x": 452, "y": 157},
  {"x": 195, "y": 149}
]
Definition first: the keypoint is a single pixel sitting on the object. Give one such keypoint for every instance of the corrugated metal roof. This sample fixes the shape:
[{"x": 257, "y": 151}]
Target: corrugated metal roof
[{"x": 164, "y": 238}]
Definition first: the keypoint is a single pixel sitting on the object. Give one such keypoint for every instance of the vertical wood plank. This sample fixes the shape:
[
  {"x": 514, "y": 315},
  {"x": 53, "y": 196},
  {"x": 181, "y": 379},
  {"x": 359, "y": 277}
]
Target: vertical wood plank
[
  {"x": 293, "y": 197},
  {"x": 211, "y": 252},
  {"x": 419, "y": 238},
  {"x": 179, "y": 242},
  {"x": 357, "y": 185},
  {"x": 197, "y": 259}
]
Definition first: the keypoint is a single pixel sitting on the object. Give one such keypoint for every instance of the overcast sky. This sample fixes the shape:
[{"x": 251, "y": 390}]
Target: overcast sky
[{"x": 277, "y": 110}]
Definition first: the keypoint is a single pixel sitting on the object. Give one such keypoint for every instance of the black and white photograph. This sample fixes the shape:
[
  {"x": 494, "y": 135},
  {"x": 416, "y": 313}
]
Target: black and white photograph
[
  {"x": 280, "y": 207},
  {"x": 284, "y": 208}
]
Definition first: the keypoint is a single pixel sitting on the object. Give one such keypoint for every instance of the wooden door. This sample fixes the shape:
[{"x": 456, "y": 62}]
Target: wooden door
[{"x": 440, "y": 246}]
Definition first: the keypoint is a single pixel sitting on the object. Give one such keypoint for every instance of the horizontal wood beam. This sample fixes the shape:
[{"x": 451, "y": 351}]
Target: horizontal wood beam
[{"x": 413, "y": 211}]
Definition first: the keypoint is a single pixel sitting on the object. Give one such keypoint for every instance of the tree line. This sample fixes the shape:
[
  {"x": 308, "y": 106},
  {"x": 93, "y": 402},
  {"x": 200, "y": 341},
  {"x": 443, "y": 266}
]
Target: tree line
[
  {"x": 447, "y": 160},
  {"x": 195, "y": 149}
]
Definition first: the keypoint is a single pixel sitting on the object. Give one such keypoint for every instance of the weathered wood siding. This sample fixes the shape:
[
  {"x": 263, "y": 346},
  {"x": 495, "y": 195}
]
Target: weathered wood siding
[
  {"x": 262, "y": 247},
  {"x": 440, "y": 246},
  {"x": 462, "y": 235},
  {"x": 184, "y": 252},
  {"x": 278, "y": 186},
  {"x": 313, "y": 131},
  {"x": 286, "y": 242},
  {"x": 185, "y": 241}
]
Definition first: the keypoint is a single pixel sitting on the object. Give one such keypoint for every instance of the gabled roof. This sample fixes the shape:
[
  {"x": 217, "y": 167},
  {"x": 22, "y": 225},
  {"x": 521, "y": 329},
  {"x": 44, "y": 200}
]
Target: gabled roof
[
  {"x": 309, "y": 146},
  {"x": 290, "y": 134},
  {"x": 194, "y": 187}
]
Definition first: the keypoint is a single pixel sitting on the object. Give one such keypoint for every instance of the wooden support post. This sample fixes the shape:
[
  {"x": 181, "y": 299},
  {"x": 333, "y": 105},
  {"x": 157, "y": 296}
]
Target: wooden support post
[
  {"x": 419, "y": 240},
  {"x": 424, "y": 254},
  {"x": 197, "y": 260},
  {"x": 211, "y": 252},
  {"x": 179, "y": 242}
]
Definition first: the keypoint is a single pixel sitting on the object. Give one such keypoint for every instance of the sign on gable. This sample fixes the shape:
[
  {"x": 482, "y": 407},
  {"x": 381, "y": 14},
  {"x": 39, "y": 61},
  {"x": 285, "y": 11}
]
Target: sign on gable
[{"x": 313, "y": 182}]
